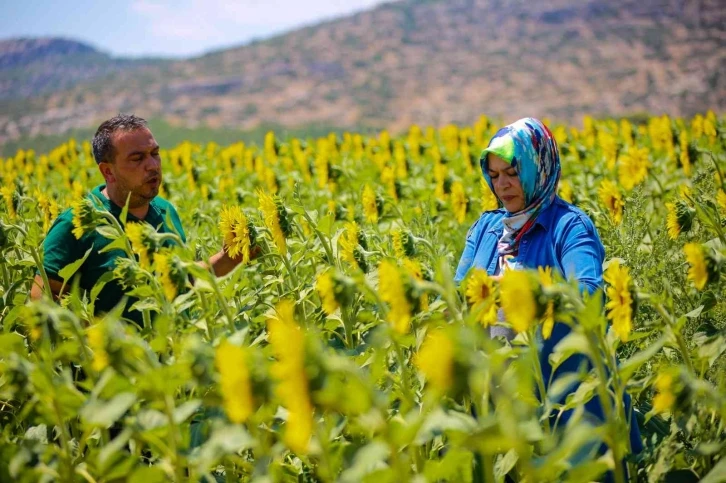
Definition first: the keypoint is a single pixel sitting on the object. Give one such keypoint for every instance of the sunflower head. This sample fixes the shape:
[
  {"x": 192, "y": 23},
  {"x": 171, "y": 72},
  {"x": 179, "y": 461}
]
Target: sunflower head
[
  {"x": 611, "y": 197},
  {"x": 621, "y": 303},
  {"x": 680, "y": 218},
  {"x": 171, "y": 273},
  {"x": 97, "y": 342},
  {"x": 435, "y": 359},
  {"x": 372, "y": 204},
  {"x": 393, "y": 290},
  {"x": 335, "y": 290},
  {"x": 518, "y": 299},
  {"x": 143, "y": 243},
  {"x": 459, "y": 201},
  {"x": 704, "y": 266},
  {"x": 238, "y": 232},
  {"x": 84, "y": 217},
  {"x": 403, "y": 243}
]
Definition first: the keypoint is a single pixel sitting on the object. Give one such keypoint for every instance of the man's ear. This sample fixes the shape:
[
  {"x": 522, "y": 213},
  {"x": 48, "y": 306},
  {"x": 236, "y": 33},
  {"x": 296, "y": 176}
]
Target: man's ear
[{"x": 107, "y": 172}]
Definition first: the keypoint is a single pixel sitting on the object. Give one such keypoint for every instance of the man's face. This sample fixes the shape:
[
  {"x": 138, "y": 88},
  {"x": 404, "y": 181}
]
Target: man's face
[{"x": 136, "y": 168}]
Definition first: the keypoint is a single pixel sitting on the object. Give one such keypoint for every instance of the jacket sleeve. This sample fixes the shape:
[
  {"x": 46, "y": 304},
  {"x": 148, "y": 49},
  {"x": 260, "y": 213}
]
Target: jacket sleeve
[
  {"x": 467, "y": 257},
  {"x": 582, "y": 254}
]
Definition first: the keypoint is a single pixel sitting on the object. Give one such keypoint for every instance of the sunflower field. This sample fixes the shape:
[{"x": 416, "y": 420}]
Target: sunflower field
[{"x": 341, "y": 349}]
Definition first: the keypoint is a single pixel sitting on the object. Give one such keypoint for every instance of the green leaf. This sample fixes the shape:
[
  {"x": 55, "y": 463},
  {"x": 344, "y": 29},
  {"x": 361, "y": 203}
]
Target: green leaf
[
  {"x": 152, "y": 419},
  {"x": 105, "y": 413},
  {"x": 456, "y": 465},
  {"x": 628, "y": 368},
  {"x": 12, "y": 342},
  {"x": 118, "y": 244},
  {"x": 695, "y": 312},
  {"x": 505, "y": 464},
  {"x": 185, "y": 410},
  {"x": 573, "y": 343},
  {"x": 148, "y": 474},
  {"x": 225, "y": 440},
  {"x": 325, "y": 224},
  {"x": 67, "y": 272},
  {"x": 368, "y": 459},
  {"x": 108, "y": 453},
  {"x": 37, "y": 433},
  {"x": 440, "y": 422},
  {"x": 717, "y": 474},
  {"x": 107, "y": 231},
  {"x": 100, "y": 283}
]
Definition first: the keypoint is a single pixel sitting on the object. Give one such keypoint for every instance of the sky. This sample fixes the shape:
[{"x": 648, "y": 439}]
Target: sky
[{"x": 164, "y": 27}]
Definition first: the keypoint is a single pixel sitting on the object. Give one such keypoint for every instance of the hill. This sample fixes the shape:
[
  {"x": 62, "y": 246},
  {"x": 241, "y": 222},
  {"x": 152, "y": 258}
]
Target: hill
[{"x": 425, "y": 62}]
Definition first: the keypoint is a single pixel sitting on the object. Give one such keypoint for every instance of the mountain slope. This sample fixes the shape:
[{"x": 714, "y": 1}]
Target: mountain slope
[
  {"x": 426, "y": 62},
  {"x": 29, "y": 67}
]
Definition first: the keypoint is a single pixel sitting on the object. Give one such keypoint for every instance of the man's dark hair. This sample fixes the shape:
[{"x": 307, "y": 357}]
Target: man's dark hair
[{"x": 103, "y": 151}]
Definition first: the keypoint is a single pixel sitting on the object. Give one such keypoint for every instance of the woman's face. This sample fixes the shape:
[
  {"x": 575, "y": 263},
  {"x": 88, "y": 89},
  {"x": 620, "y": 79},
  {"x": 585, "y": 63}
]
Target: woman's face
[{"x": 506, "y": 183}]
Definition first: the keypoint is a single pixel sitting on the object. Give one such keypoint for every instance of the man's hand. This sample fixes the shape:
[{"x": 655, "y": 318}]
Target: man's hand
[
  {"x": 36, "y": 291},
  {"x": 222, "y": 263}
]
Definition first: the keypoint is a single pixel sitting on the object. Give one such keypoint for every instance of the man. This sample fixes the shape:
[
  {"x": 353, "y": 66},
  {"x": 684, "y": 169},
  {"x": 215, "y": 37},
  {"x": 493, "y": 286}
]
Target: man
[{"x": 128, "y": 157}]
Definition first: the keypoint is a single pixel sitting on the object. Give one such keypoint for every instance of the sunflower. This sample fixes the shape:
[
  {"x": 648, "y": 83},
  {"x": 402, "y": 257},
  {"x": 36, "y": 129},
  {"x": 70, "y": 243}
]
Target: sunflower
[
  {"x": 97, "y": 343},
  {"x": 435, "y": 359},
  {"x": 388, "y": 179},
  {"x": 459, "y": 203},
  {"x": 403, "y": 243},
  {"x": 620, "y": 299},
  {"x": 633, "y": 168},
  {"x": 8, "y": 195},
  {"x": 680, "y": 217},
  {"x": 325, "y": 287},
  {"x": 83, "y": 217},
  {"x": 611, "y": 197},
  {"x": 481, "y": 296},
  {"x": 236, "y": 232},
  {"x": 479, "y": 287},
  {"x": 565, "y": 191},
  {"x": 520, "y": 307},
  {"x": 271, "y": 212},
  {"x": 416, "y": 271},
  {"x": 137, "y": 235},
  {"x": 392, "y": 291},
  {"x": 488, "y": 199},
  {"x": 349, "y": 243},
  {"x": 370, "y": 204},
  {"x": 684, "y": 157},
  {"x": 721, "y": 199},
  {"x": 350, "y": 251},
  {"x": 698, "y": 271},
  {"x": 664, "y": 399},
  {"x": 287, "y": 340},
  {"x": 171, "y": 275},
  {"x": 234, "y": 381},
  {"x": 674, "y": 229}
]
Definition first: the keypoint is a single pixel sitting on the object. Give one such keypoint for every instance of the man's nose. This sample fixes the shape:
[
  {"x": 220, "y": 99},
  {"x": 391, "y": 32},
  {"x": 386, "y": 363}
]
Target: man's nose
[{"x": 153, "y": 163}]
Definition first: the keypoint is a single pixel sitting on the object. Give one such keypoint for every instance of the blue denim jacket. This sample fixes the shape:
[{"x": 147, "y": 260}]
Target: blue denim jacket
[{"x": 565, "y": 239}]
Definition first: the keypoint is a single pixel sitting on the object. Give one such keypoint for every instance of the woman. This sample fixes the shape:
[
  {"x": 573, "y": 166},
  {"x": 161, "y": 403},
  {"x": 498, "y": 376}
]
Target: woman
[{"x": 534, "y": 229}]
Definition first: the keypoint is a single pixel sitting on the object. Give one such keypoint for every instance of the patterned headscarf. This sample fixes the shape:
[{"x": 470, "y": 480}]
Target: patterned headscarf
[{"x": 530, "y": 148}]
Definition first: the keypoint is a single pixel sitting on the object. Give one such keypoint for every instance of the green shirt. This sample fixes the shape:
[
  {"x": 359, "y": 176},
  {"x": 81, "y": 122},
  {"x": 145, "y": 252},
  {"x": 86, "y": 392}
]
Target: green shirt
[{"x": 62, "y": 248}]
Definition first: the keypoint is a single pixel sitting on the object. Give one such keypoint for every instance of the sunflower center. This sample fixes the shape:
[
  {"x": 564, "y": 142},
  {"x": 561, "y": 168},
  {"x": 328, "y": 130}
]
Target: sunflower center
[{"x": 485, "y": 291}]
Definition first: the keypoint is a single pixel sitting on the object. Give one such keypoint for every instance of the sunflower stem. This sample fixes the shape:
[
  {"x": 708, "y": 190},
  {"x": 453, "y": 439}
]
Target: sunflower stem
[
  {"x": 607, "y": 405},
  {"x": 532, "y": 342}
]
